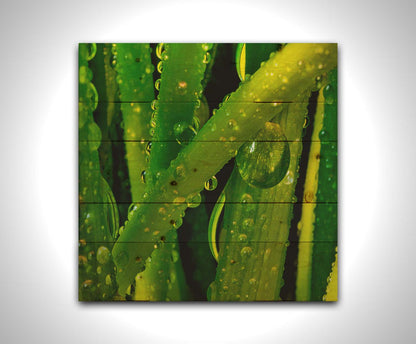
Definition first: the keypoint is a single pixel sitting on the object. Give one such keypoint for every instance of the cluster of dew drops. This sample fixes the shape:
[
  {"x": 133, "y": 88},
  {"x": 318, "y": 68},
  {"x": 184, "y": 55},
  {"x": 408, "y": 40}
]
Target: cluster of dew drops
[{"x": 183, "y": 131}]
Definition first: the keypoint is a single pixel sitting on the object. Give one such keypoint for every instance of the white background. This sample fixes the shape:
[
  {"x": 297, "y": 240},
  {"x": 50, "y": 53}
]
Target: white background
[{"x": 38, "y": 174}]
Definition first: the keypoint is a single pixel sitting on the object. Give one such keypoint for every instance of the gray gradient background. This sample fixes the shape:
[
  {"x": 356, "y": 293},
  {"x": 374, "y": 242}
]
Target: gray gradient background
[{"x": 38, "y": 175}]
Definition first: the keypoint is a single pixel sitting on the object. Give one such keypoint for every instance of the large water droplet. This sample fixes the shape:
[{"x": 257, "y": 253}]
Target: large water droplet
[
  {"x": 193, "y": 200},
  {"x": 264, "y": 162},
  {"x": 211, "y": 184},
  {"x": 159, "y": 50},
  {"x": 184, "y": 132},
  {"x": 91, "y": 51},
  {"x": 103, "y": 255}
]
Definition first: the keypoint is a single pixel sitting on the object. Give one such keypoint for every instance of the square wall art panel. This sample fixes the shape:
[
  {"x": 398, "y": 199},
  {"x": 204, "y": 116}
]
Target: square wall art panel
[{"x": 208, "y": 172}]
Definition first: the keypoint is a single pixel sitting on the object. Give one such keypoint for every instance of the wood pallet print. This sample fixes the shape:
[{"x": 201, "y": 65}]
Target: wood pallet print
[{"x": 208, "y": 172}]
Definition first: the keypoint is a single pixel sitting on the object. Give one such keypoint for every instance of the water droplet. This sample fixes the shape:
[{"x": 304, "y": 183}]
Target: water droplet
[
  {"x": 207, "y": 58},
  {"x": 225, "y": 99},
  {"x": 113, "y": 61},
  {"x": 242, "y": 237},
  {"x": 211, "y": 184},
  {"x": 160, "y": 67},
  {"x": 206, "y": 46},
  {"x": 329, "y": 94},
  {"x": 154, "y": 104},
  {"x": 246, "y": 251},
  {"x": 324, "y": 135},
  {"x": 232, "y": 124},
  {"x": 148, "y": 147},
  {"x": 103, "y": 255},
  {"x": 289, "y": 178},
  {"x": 184, "y": 132},
  {"x": 159, "y": 50},
  {"x": 193, "y": 200},
  {"x": 108, "y": 279},
  {"x": 143, "y": 176},
  {"x": 195, "y": 123},
  {"x": 248, "y": 223},
  {"x": 91, "y": 51},
  {"x": 306, "y": 122},
  {"x": 264, "y": 162},
  {"x": 157, "y": 84},
  {"x": 246, "y": 198},
  {"x": 153, "y": 123},
  {"x": 176, "y": 223},
  {"x": 165, "y": 56}
]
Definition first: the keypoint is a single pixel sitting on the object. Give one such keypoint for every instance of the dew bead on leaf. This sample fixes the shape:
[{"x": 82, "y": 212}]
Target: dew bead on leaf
[
  {"x": 264, "y": 162},
  {"x": 143, "y": 176},
  {"x": 211, "y": 184},
  {"x": 246, "y": 251},
  {"x": 91, "y": 51},
  {"x": 103, "y": 255},
  {"x": 193, "y": 200},
  {"x": 148, "y": 147}
]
